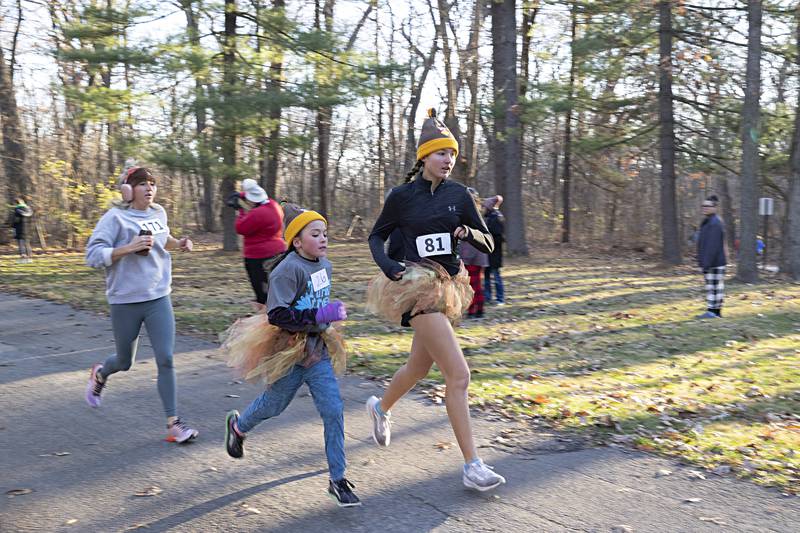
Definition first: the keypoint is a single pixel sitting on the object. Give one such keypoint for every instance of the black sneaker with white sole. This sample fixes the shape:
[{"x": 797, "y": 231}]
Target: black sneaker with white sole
[
  {"x": 234, "y": 443},
  {"x": 342, "y": 492}
]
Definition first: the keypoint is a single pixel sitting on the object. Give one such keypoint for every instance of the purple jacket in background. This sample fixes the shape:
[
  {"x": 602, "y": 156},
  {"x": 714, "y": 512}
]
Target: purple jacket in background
[{"x": 472, "y": 256}]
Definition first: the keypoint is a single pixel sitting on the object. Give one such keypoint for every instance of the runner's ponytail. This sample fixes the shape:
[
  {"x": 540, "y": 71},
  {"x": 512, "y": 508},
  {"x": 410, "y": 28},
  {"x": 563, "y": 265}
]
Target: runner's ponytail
[{"x": 414, "y": 170}]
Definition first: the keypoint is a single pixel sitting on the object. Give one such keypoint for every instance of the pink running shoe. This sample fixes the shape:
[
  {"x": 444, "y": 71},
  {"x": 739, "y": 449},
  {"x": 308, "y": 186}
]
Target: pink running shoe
[
  {"x": 179, "y": 432},
  {"x": 94, "y": 387}
]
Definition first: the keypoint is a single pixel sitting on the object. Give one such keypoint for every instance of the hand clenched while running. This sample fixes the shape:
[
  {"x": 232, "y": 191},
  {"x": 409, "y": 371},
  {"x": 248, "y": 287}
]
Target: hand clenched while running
[
  {"x": 186, "y": 244},
  {"x": 141, "y": 242}
]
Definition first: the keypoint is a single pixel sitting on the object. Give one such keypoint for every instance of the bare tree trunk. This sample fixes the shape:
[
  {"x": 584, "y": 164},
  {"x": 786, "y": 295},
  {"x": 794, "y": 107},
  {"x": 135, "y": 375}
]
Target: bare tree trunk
[
  {"x": 382, "y": 178},
  {"x": 566, "y": 177},
  {"x": 791, "y": 236},
  {"x": 275, "y": 85},
  {"x": 450, "y": 119},
  {"x": 395, "y": 149},
  {"x": 556, "y": 151},
  {"x": 746, "y": 267},
  {"x": 529, "y": 12},
  {"x": 416, "y": 94},
  {"x": 670, "y": 243},
  {"x": 325, "y": 113},
  {"x": 726, "y": 202},
  {"x": 507, "y": 137},
  {"x": 204, "y": 163},
  {"x": 14, "y": 151},
  {"x": 473, "y": 69},
  {"x": 229, "y": 141}
]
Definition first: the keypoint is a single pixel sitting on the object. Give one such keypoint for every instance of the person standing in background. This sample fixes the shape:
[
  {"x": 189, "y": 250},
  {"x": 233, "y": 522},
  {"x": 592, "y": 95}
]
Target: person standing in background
[
  {"x": 711, "y": 257},
  {"x": 260, "y": 222},
  {"x": 20, "y": 220},
  {"x": 495, "y": 221},
  {"x": 475, "y": 262}
]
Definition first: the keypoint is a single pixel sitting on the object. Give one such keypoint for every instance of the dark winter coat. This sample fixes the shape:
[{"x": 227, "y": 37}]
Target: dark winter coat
[
  {"x": 710, "y": 244},
  {"x": 496, "y": 223},
  {"x": 20, "y": 220}
]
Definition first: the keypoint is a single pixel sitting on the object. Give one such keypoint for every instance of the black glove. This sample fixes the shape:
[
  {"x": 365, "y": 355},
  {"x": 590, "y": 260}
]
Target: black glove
[
  {"x": 233, "y": 200},
  {"x": 393, "y": 268}
]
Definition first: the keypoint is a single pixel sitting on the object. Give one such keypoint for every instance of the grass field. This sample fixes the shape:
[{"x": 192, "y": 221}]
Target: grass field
[{"x": 606, "y": 346}]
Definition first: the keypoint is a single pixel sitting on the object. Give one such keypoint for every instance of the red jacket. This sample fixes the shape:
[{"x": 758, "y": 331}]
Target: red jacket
[{"x": 262, "y": 228}]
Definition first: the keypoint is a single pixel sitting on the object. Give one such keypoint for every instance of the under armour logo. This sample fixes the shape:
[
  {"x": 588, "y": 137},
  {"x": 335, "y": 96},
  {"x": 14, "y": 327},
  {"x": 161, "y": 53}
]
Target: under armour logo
[{"x": 451, "y": 208}]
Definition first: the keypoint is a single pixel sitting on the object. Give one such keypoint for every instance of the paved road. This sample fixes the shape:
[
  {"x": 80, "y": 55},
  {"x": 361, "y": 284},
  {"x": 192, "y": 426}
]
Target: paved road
[{"x": 84, "y": 467}]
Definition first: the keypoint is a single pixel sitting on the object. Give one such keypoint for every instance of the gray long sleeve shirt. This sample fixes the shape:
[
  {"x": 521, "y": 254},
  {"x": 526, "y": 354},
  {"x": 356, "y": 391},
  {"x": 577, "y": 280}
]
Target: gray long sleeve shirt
[
  {"x": 299, "y": 285},
  {"x": 132, "y": 278}
]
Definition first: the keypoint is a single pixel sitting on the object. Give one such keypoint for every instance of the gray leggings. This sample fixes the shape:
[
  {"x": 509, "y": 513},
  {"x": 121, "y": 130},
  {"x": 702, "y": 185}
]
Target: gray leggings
[{"x": 126, "y": 320}]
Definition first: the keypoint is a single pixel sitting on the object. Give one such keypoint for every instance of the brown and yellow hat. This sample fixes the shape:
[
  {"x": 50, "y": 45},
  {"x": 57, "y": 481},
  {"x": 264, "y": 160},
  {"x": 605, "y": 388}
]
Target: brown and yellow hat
[
  {"x": 434, "y": 136},
  {"x": 295, "y": 218}
]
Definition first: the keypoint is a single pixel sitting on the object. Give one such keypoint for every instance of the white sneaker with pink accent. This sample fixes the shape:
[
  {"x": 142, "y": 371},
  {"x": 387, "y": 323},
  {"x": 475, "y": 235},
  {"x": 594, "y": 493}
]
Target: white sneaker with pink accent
[{"x": 179, "y": 432}]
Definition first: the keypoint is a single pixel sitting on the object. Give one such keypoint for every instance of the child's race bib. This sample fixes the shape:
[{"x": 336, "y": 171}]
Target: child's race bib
[
  {"x": 154, "y": 226},
  {"x": 434, "y": 244},
  {"x": 319, "y": 279}
]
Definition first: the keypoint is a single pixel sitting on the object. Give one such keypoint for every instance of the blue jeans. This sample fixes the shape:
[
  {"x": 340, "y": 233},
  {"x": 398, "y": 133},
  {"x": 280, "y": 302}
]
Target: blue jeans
[
  {"x": 500, "y": 295},
  {"x": 324, "y": 390}
]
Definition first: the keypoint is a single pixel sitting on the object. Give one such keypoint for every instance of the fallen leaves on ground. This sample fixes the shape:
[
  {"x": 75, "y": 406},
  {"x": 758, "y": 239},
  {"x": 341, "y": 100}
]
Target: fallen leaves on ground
[
  {"x": 152, "y": 490},
  {"x": 18, "y": 492},
  {"x": 587, "y": 343}
]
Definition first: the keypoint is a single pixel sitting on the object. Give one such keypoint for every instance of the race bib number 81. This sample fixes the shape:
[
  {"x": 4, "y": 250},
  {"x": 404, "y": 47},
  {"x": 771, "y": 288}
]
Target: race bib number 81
[{"x": 434, "y": 244}]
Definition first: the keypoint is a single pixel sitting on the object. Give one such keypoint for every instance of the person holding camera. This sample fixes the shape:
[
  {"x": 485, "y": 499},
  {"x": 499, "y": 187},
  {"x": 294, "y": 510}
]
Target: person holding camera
[
  {"x": 260, "y": 222},
  {"x": 20, "y": 221},
  {"x": 132, "y": 242}
]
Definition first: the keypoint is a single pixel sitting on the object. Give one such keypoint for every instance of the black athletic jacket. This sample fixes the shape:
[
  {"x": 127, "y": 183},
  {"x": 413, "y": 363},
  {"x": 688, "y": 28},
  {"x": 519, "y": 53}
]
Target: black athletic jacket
[{"x": 416, "y": 211}]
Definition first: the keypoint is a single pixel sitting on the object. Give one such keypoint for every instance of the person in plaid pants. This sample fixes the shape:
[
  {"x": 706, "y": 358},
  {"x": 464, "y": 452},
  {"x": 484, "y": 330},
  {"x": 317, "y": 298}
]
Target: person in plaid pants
[{"x": 711, "y": 257}]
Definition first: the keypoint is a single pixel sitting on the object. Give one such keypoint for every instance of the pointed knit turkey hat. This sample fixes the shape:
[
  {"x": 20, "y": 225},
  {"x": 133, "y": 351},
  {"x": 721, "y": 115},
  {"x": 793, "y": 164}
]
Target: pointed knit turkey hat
[{"x": 434, "y": 136}]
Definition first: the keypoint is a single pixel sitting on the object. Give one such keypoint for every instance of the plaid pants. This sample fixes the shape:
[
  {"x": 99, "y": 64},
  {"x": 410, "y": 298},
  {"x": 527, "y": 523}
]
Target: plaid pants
[{"x": 715, "y": 286}]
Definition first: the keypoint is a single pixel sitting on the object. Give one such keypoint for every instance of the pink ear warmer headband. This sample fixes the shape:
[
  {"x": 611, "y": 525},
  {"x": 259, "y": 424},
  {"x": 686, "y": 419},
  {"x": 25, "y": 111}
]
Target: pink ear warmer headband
[{"x": 125, "y": 188}]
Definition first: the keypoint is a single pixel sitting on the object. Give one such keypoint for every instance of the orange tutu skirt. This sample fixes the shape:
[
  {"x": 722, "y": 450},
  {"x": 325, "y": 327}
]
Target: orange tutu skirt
[
  {"x": 262, "y": 352},
  {"x": 426, "y": 287}
]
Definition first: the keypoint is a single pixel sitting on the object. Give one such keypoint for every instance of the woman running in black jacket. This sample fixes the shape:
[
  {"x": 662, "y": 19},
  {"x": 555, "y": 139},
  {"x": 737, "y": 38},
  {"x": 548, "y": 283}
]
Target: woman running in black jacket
[{"x": 430, "y": 290}]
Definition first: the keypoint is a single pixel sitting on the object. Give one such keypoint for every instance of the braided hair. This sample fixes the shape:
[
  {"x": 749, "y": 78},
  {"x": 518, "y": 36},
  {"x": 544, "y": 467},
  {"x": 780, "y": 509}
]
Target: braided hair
[{"x": 414, "y": 170}]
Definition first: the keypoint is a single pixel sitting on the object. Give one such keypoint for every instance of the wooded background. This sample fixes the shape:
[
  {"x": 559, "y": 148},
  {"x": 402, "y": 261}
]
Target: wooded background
[{"x": 599, "y": 122}]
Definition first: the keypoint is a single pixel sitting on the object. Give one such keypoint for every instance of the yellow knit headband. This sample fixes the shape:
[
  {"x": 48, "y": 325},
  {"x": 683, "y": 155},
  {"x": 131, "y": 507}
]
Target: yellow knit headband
[
  {"x": 436, "y": 144},
  {"x": 300, "y": 222}
]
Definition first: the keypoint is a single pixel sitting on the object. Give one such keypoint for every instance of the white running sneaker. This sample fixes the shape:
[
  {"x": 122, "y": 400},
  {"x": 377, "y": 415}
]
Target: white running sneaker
[
  {"x": 480, "y": 476},
  {"x": 381, "y": 424},
  {"x": 179, "y": 432}
]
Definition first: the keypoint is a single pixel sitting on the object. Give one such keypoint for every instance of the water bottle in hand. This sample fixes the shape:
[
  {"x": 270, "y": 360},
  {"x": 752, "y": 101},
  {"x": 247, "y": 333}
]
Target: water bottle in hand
[{"x": 146, "y": 250}]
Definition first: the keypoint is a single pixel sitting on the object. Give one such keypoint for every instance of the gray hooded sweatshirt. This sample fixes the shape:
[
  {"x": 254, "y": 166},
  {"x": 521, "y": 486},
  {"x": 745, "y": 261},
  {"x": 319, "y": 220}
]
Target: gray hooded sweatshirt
[{"x": 132, "y": 278}]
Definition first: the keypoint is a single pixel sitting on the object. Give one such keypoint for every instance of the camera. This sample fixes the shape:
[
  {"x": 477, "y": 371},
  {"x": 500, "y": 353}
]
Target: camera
[{"x": 233, "y": 200}]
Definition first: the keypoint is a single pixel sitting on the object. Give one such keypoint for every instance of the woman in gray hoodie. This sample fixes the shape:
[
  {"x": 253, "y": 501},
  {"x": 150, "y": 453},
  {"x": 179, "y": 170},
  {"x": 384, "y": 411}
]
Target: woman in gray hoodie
[{"x": 132, "y": 243}]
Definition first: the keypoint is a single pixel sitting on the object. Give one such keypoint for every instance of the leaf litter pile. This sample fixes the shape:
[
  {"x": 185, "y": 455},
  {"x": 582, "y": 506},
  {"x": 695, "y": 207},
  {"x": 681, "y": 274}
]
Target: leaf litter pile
[{"x": 587, "y": 342}]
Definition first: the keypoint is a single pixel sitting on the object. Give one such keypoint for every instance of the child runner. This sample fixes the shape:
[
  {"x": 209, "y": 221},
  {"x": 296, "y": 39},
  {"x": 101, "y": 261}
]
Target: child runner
[
  {"x": 495, "y": 221},
  {"x": 132, "y": 242},
  {"x": 295, "y": 344},
  {"x": 431, "y": 290}
]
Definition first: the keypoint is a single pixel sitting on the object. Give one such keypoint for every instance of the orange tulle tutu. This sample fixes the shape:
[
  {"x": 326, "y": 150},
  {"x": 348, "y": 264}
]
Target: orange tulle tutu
[
  {"x": 426, "y": 287},
  {"x": 262, "y": 352}
]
